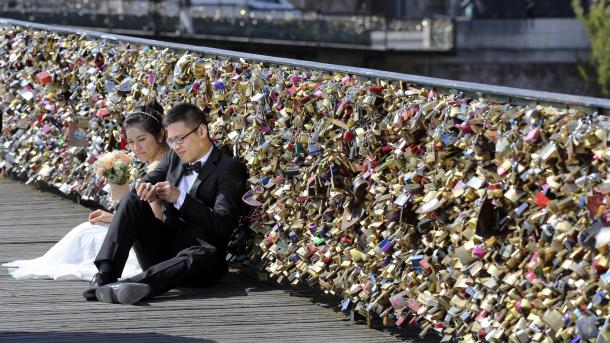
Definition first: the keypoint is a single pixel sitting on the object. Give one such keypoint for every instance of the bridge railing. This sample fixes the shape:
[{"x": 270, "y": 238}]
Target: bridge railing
[
  {"x": 499, "y": 93},
  {"x": 239, "y": 23},
  {"x": 403, "y": 193}
]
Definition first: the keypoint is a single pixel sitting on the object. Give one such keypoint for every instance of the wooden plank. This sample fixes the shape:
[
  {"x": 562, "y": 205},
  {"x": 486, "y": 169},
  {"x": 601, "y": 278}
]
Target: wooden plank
[{"x": 238, "y": 309}]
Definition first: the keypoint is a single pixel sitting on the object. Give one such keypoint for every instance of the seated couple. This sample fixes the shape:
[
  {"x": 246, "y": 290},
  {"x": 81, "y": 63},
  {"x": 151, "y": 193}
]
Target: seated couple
[{"x": 178, "y": 218}]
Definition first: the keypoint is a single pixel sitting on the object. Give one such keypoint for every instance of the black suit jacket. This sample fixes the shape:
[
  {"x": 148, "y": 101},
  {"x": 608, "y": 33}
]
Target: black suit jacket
[{"x": 213, "y": 206}]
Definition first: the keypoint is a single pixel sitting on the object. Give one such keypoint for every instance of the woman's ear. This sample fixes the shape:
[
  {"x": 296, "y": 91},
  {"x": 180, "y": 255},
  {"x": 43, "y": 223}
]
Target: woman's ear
[{"x": 162, "y": 135}]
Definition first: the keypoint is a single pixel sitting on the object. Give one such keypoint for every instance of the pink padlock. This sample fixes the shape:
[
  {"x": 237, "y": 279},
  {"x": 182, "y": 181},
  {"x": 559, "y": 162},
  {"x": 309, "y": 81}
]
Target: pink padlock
[
  {"x": 531, "y": 276},
  {"x": 295, "y": 79},
  {"x": 532, "y": 136},
  {"x": 150, "y": 78},
  {"x": 478, "y": 251},
  {"x": 398, "y": 301}
]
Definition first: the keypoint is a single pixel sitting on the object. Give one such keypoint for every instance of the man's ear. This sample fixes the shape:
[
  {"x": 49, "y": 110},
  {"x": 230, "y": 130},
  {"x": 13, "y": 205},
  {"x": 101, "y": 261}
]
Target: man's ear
[{"x": 204, "y": 132}]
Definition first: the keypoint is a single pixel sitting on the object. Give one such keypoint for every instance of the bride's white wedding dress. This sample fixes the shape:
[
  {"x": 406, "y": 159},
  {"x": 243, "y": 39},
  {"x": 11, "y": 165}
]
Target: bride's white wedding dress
[{"x": 71, "y": 258}]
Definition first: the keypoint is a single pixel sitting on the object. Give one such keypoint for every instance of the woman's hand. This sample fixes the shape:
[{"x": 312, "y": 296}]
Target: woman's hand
[
  {"x": 99, "y": 216},
  {"x": 146, "y": 191}
]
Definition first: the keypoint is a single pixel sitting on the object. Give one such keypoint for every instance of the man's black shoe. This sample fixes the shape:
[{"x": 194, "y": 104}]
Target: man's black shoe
[
  {"x": 127, "y": 293},
  {"x": 97, "y": 281}
]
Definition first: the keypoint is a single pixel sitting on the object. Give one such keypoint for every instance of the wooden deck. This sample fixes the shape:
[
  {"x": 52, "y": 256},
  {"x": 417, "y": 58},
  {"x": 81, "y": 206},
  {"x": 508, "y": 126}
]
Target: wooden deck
[{"x": 239, "y": 309}]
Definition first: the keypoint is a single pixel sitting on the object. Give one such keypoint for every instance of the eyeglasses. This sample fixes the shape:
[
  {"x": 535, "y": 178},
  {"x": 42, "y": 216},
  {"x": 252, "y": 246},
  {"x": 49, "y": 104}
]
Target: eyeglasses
[{"x": 179, "y": 140}]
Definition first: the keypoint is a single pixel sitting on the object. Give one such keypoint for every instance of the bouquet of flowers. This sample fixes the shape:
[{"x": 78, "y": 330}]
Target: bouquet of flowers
[{"x": 115, "y": 167}]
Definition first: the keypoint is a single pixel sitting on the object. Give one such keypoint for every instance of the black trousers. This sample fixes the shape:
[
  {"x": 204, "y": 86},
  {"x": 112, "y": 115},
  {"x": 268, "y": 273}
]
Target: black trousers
[{"x": 169, "y": 256}]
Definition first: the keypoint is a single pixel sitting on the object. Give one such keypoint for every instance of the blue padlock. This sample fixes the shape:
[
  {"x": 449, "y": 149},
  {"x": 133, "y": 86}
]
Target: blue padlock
[{"x": 293, "y": 237}]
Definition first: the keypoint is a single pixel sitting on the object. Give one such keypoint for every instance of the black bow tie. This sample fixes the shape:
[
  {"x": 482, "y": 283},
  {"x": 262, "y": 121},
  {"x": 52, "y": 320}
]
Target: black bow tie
[{"x": 189, "y": 168}]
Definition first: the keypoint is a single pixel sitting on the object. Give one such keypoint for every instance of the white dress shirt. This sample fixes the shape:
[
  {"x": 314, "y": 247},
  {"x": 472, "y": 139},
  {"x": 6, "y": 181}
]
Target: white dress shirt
[{"x": 186, "y": 182}]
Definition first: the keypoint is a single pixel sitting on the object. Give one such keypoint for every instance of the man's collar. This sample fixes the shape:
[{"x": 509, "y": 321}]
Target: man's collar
[{"x": 205, "y": 157}]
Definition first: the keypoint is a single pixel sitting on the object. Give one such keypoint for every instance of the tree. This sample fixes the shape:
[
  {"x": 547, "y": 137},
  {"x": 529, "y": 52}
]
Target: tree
[{"x": 597, "y": 24}]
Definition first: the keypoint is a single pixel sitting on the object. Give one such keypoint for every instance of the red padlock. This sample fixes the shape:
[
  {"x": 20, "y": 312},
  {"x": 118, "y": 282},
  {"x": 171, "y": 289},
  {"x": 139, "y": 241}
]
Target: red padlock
[
  {"x": 541, "y": 200},
  {"x": 375, "y": 89},
  {"x": 43, "y": 77},
  {"x": 493, "y": 186},
  {"x": 346, "y": 239},
  {"x": 600, "y": 265},
  {"x": 348, "y": 136},
  {"x": 102, "y": 112}
]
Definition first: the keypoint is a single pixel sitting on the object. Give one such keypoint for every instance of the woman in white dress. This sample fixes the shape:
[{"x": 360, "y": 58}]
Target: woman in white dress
[{"x": 72, "y": 257}]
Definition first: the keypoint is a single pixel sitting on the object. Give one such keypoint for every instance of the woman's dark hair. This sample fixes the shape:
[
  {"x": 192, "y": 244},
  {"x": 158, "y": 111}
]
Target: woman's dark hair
[
  {"x": 149, "y": 117},
  {"x": 189, "y": 113}
]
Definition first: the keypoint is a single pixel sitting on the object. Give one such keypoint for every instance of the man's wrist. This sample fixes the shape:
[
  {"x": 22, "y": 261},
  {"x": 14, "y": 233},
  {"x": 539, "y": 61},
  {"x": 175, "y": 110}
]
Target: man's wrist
[
  {"x": 175, "y": 195},
  {"x": 181, "y": 196}
]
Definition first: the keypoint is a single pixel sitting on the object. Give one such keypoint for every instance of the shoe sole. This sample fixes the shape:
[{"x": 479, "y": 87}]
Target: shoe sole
[
  {"x": 131, "y": 293},
  {"x": 125, "y": 293},
  {"x": 105, "y": 294}
]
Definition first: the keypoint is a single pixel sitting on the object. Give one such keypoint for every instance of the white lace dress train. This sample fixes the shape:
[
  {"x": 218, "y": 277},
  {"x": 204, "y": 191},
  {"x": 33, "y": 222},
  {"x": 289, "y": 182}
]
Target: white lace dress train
[{"x": 71, "y": 258}]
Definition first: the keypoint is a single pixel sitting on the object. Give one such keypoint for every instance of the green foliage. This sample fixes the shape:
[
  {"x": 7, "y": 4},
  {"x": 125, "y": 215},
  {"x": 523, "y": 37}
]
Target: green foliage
[{"x": 597, "y": 24}]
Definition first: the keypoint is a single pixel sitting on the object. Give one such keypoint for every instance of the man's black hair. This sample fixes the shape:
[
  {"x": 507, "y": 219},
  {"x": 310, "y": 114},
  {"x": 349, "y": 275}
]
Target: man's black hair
[{"x": 189, "y": 113}]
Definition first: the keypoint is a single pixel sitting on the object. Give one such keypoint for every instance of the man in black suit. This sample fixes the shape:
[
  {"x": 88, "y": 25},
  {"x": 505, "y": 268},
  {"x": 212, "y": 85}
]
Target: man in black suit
[{"x": 201, "y": 189}]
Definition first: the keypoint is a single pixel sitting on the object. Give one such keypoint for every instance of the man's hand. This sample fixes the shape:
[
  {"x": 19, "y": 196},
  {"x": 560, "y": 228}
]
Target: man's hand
[
  {"x": 99, "y": 216},
  {"x": 146, "y": 191},
  {"x": 167, "y": 192}
]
